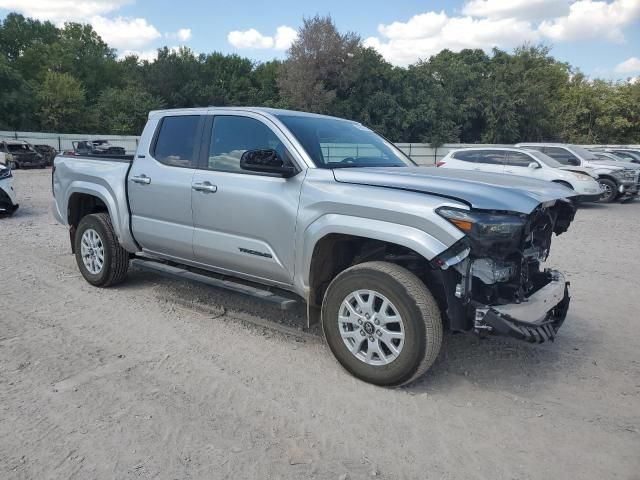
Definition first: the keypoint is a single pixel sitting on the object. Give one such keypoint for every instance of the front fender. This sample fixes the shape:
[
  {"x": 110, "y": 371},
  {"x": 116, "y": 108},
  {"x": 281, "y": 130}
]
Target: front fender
[{"x": 417, "y": 240}]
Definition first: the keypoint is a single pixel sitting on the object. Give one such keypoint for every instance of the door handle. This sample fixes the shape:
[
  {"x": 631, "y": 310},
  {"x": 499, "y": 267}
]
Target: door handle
[
  {"x": 206, "y": 187},
  {"x": 143, "y": 179},
  {"x": 509, "y": 171}
]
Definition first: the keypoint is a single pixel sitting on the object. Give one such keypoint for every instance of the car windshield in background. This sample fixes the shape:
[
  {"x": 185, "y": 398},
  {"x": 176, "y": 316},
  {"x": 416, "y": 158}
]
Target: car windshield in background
[
  {"x": 334, "y": 143},
  {"x": 584, "y": 153},
  {"x": 546, "y": 159}
]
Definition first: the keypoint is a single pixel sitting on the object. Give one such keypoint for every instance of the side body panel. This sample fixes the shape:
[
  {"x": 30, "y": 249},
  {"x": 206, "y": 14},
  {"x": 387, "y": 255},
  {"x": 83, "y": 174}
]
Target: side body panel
[{"x": 102, "y": 178}]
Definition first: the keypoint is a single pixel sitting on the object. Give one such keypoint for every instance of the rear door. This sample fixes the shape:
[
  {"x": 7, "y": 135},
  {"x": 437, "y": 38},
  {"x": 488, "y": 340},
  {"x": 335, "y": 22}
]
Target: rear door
[
  {"x": 244, "y": 222},
  {"x": 159, "y": 187}
]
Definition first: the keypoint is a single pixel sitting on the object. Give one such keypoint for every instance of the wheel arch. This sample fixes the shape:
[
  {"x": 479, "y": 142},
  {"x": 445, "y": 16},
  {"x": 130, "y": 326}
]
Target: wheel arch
[
  {"x": 335, "y": 242},
  {"x": 82, "y": 201}
]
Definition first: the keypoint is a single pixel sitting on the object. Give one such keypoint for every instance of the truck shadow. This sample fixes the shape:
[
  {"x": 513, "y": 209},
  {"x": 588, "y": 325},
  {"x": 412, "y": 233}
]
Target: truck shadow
[{"x": 493, "y": 363}]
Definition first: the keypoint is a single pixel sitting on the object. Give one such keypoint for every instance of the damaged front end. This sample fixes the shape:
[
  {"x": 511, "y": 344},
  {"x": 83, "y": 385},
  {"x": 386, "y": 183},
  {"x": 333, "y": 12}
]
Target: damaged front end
[{"x": 492, "y": 278}]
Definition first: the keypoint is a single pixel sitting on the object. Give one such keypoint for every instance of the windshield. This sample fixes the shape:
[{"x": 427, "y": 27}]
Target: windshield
[
  {"x": 335, "y": 143},
  {"x": 545, "y": 159},
  {"x": 584, "y": 153}
]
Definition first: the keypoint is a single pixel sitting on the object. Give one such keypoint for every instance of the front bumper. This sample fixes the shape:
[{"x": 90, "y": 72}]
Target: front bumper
[
  {"x": 536, "y": 320},
  {"x": 589, "y": 198}
]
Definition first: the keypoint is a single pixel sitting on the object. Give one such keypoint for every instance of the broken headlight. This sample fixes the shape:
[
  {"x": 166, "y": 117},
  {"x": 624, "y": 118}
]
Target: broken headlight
[{"x": 484, "y": 226}]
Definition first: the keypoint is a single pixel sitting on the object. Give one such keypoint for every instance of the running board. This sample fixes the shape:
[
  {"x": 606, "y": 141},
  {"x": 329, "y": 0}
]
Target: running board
[{"x": 264, "y": 294}]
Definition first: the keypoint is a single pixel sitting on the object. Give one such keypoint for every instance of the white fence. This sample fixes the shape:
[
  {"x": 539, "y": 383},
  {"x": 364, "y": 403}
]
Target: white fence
[
  {"x": 63, "y": 141},
  {"x": 421, "y": 153}
]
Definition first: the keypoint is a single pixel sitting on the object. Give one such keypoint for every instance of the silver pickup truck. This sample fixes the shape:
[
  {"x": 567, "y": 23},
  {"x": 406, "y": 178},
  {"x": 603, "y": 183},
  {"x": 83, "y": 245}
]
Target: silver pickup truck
[{"x": 387, "y": 255}]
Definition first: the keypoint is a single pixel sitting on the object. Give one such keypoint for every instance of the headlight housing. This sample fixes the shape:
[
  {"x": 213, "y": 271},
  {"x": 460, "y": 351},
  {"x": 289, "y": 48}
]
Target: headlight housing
[
  {"x": 5, "y": 173},
  {"x": 485, "y": 226}
]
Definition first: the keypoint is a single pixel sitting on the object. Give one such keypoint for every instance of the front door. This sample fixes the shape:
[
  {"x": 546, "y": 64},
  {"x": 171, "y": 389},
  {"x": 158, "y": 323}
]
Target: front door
[
  {"x": 244, "y": 222},
  {"x": 159, "y": 187}
]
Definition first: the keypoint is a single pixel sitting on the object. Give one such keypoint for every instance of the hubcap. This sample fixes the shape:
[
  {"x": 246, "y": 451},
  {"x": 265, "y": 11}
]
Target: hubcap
[
  {"x": 92, "y": 251},
  {"x": 606, "y": 190},
  {"x": 371, "y": 327}
]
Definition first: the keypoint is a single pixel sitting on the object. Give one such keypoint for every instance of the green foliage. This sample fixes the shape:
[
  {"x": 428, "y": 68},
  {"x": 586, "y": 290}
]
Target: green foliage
[
  {"x": 61, "y": 98},
  {"x": 68, "y": 80},
  {"x": 124, "y": 111}
]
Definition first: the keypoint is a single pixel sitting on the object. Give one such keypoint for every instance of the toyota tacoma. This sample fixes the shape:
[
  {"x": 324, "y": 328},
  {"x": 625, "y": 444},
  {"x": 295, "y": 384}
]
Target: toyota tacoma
[{"x": 386, "y": 254}]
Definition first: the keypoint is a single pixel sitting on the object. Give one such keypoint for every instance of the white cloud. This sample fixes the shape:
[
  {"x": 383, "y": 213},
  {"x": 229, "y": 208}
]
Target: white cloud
[
  {"x": 252, "y": 38},
  {"x": 149, "y": 55},
  {"x": 426, "y": 34},
  {"x": 630, "y": 65},
  {"x": 593, "y": 19},
  {"x": 60, "y": 11},
  {"x": 520, "y": 9},
  {"x": 183, "y": 34},
  {"x": 285, "y": 36},
  {"x": 125, "y": 33}
]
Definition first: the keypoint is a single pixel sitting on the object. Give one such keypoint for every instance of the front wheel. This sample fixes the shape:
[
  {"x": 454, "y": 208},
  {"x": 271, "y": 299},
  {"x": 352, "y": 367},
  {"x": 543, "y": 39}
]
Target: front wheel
[
  {"x": 382, "y": 323},
  {"x": 100, "y": 258},
  {"x": 609, "y": 190}
]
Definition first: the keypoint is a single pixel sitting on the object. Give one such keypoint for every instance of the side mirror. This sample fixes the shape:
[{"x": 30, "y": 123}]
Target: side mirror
[
  {"x": 266, "y": 161},
  {"x": 534, "y": 165}
]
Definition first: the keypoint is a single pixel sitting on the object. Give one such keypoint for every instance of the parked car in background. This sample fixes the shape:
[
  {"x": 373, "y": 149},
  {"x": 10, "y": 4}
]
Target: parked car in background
[
  {"x": 526, "y": 163},
  {"x": 97, "y": 147},
  {"x": 386, "y": 254},
  {"x": 23, "y": 155},
  {"x": 8, "y": 203},
  {"x": 628, "y": 154},
  {"x": 48, "y": 152},
  {"x": 617, "y": 181}
]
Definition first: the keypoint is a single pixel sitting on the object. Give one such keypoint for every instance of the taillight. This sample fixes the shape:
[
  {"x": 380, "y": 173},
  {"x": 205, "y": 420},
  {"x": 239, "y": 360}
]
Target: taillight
[{"x": 440, "y": 163}]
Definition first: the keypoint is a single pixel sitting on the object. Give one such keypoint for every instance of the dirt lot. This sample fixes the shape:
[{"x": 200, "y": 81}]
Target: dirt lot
[{"x": 161, "y": 379}]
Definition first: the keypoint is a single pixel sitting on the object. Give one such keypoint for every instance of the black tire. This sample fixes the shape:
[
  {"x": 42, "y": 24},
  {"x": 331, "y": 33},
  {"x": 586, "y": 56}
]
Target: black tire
[
  {"x": 415, "y": 304},
  {"x": 611, "y": 190},
  {"x": 116, "y": 258}
]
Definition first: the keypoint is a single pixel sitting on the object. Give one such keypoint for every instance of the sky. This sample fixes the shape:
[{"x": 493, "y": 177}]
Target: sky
[{"x": 599, "y": 37}]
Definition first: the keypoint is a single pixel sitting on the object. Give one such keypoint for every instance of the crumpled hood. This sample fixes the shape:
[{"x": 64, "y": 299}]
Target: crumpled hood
[{"x": 486, "y": 191}]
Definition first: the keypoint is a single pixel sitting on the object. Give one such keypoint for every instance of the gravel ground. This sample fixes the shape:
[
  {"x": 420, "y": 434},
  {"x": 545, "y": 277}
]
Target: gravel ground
[{"x": 161, "y": 379}]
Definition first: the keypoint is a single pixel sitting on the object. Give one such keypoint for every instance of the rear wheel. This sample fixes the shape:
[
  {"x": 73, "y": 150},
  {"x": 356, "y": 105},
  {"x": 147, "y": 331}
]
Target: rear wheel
[
  {"x": 100, "y": 258},
  {"x": 609, "y": 190},
  {"x": 381, "y": 323}
]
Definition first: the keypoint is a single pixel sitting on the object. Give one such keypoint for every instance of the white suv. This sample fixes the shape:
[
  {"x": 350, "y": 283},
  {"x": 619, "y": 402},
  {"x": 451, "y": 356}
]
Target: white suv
[
  {"x": 526, "y": 163},
  {"x": 618, "y": 180}
]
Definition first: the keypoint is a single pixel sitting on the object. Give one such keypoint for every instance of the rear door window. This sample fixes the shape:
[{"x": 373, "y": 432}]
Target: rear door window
[
  {"x": 177, "y": 141},
  {"x": 492, "y": 157},
  {"x": 519, "y": 159}
]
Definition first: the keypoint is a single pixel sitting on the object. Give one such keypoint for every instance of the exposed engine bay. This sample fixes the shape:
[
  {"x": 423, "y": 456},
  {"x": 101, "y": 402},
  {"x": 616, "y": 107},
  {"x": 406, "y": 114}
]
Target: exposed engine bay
[{"x": 502, "y": 266}]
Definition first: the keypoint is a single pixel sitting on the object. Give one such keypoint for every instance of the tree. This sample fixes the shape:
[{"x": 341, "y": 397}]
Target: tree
[
  {"x": 61, "y": 99},
  {"x": 318, "y": 65},
  {"x": 124, "y": 111},
  {"x": 16, "y": 99}
]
